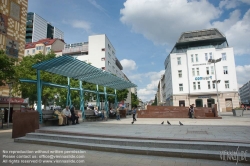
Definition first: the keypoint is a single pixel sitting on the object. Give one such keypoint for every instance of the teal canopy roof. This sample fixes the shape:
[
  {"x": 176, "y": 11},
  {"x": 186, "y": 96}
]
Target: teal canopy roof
[{"x": 73, "y": 68}]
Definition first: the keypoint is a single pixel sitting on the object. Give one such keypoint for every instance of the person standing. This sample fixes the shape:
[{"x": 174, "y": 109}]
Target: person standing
[
  {"x": 134, "y": 113},
  {"x": 118, "y": 113},
  {"x": 191, "y": 109}
]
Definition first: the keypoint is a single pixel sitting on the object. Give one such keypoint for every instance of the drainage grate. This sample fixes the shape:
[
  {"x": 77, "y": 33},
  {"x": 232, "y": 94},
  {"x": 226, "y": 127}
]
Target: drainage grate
[{"x": 196, "y": 132}]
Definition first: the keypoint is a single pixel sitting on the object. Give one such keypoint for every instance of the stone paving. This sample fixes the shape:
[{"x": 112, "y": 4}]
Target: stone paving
[{"x": 228, "y": 128}]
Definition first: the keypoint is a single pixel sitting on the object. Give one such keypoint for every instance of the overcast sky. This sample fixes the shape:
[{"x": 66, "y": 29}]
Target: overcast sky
[{"x": 143, "y": 32}]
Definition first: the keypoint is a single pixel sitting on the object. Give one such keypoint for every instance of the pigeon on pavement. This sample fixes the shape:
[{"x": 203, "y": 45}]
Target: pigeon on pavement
[
  {"x": 180, "y": 123},
  {"x": 162, "y": 122},
  {"x": 168, "y": 122},
  {"x": 132, "y": 122}
]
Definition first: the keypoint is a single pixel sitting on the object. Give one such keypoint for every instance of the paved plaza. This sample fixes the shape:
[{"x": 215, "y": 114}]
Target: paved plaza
[{"x": 227, "y": 129}]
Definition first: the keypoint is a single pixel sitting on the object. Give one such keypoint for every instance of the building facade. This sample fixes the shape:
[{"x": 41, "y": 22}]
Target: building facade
[
  {"x": 13, "y": 14},
  {"x": 201, "y": 66},
  {"x": 44, "y": 46},
  {"x": 244, "y": 92},
  {"x": 99, "y": 52},
  {"x": 38, "y": 28}
]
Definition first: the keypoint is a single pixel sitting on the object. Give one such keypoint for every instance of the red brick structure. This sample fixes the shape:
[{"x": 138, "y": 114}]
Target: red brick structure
[{"x": 178, "y": 112}]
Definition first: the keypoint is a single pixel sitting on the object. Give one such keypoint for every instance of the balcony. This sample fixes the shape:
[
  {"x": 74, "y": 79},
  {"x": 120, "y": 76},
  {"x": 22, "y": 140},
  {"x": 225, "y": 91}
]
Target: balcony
[
  {"x": 28, "y": 34},
  {"x": 72, "y": 50}
]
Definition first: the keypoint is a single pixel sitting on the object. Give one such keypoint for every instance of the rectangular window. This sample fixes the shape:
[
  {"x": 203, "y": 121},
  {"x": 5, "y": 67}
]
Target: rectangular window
[
  {"x": 28, "y": 52},
  {"x": 225, "y": 70},
  {"x": 109, "y": 63},
  {"x": 181, "y": 87},
  {"x": 213, "y": 85},
  {"x": 37, "y": 48},
  {"x": 103, "y": 49},
  {"x": 109, "y": 55},
  {"x": 208, "y": 85},
  {"x": 194, "y": 85},
  {"x": 193, "y": 71},
  {"x": 206, "y": 57},
  {"x": 196, "y": 58},
  {"x": 210, "y": 55},
  {"x": 180, "y": 73},
  {"x": 179, "y": 60},
  {"x": 109, "y": 46},
  {"x": 103, "y": 59},
  {"x": 197, "y": 71},
  {"x": 192, "y": 58},
  {"x": 207, "y": 69},
  {"x": 47, "y": 49},
  {"x": 199, "y": 85},
  {"x": 33, "y": 51},
  {"x": 224, "y": 56},
  {"x": 227, "y": 84},
  {"x": 212, "y": 70}
]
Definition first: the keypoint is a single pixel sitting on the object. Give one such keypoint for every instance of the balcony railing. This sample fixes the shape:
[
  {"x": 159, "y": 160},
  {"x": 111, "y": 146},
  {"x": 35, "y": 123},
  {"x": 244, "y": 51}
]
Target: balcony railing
[{"x": 83, "y": 48}]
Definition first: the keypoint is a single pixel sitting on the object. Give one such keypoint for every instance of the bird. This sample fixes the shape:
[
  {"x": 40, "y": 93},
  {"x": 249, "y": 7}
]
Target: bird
[
  {"x": 180, "y": 123},
  {"x": 168, "y": 122},
  {"x": 162, "y": 122},
  {"x": 132, "y": 122}
]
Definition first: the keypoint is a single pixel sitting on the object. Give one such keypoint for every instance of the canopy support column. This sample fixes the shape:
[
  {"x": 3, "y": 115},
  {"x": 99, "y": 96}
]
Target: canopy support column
[
  {"x": 68, "y": 94},
  {"x": 106, "y": 102},
  {"x": 97, "y": 97},
  {"x": 82, "y": 100},
  {"x": 39, "y": 96},
  {"x": 115, "y": 100}
]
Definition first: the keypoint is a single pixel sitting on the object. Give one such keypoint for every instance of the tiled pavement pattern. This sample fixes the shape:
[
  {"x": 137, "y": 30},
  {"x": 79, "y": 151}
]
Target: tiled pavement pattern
[{"x": 228, "y": 129}]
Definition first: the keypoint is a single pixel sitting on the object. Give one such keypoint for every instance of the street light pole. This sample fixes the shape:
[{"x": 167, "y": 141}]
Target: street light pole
[
  {"x": 215, "y": 61},
  {"x": 217, "y": 90},
  {"x": 10, "y": 86}
]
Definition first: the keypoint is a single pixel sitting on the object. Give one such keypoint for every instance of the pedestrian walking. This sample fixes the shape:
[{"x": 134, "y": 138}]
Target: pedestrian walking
[{"x": 134, "y": 113}]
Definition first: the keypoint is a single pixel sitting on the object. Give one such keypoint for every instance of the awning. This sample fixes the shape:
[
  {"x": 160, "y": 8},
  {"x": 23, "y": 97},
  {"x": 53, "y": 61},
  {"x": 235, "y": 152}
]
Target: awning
[{"x": 73, "y": 68}]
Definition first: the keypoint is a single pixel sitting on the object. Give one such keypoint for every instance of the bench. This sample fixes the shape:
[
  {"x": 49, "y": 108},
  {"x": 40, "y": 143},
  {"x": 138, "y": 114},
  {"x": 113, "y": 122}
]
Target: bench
[
  {"x": 48, "y": 115},
  {"x": 89, "y": 114}
]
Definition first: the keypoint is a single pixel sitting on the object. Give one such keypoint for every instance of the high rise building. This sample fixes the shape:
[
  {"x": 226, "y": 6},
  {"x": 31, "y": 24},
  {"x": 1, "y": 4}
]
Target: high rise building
[
  {"x": 13, "y": 14},
  {"x": 201, "y": 68},
  {"x": 38, "y": 28},
  {"x": 245, "y": 93}
]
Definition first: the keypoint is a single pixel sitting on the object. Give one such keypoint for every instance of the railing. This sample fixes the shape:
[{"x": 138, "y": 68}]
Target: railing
[{"x": 83, "y": 48}]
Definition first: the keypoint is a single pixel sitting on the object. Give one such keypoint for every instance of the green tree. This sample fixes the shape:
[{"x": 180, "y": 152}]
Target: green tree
[
  {"x": 134, "y": 100},
  {"x": 155, "y": 102},
  {"x": 7, "y": 70}
]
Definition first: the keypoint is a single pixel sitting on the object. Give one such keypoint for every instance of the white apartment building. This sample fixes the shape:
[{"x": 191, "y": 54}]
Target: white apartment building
[
  {"x": 191, "y": 79},
  {"x": 38, "y": 28},
  {"x": 99, "y": 52},
  {"x": 245, "y": 93}
]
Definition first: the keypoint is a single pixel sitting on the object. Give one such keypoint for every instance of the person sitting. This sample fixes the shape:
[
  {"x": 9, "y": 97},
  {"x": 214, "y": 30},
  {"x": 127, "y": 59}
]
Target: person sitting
[
  {"x": 75, "y": 117},
  {"x": 59, "y": 115},
  {"x": 67, "y": 114}
]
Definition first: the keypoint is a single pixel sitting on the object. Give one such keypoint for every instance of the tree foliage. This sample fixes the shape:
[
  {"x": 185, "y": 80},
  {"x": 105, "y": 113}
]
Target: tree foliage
[
  {"x": 24, "y": 70},
  {"x": 7, "y": 70},
  {"x": 134, "y": 100}
]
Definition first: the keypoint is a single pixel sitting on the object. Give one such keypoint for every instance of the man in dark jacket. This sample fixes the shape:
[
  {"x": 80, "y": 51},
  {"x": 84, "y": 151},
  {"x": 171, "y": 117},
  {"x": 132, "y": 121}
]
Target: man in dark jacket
[{"x": 74, "y": 116}]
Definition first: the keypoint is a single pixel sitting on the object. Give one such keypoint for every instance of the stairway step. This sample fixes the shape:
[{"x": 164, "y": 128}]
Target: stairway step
[
  {"x": 213, "y": 146},
  {"x": 186, "y": 153}
]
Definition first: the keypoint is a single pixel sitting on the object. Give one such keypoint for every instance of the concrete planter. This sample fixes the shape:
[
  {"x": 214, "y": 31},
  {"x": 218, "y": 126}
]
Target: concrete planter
[{"x": 237, "y": 112}]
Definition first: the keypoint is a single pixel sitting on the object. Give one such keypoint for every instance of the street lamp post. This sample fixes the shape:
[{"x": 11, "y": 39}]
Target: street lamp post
[
  {"x": 216, "y": 81},
  {"x": 10, "y": 86}
]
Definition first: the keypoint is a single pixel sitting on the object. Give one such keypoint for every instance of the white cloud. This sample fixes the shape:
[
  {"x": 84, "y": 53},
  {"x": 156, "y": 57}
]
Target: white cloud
[
  {"x": 81, "y": 24},
  {"x": 147, "y": 93},
  {"x": 245, "y": 1},
  {"x": 242, "y": 74},
  {"x": 229, "y": 4},
  {"x": 163, "y": 21},
  {"x": 128, "y": 65},
  {"x": 95, "y": 4}
]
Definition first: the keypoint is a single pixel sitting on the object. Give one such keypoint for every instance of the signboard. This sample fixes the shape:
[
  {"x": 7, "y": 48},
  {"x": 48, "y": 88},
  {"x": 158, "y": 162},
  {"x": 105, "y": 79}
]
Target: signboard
[
  {"x": 12, "y": 100},
  {"x": 204, "y": 97},
  {"x": 203, "y": 78}
]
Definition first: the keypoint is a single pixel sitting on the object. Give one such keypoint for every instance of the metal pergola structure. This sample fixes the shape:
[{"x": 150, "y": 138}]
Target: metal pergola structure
[{"x": 73, "y": 68}]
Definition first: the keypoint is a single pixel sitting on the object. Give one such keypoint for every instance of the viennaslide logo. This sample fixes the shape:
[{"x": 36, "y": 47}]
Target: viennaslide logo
[{"x": 233, "y": 155}]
